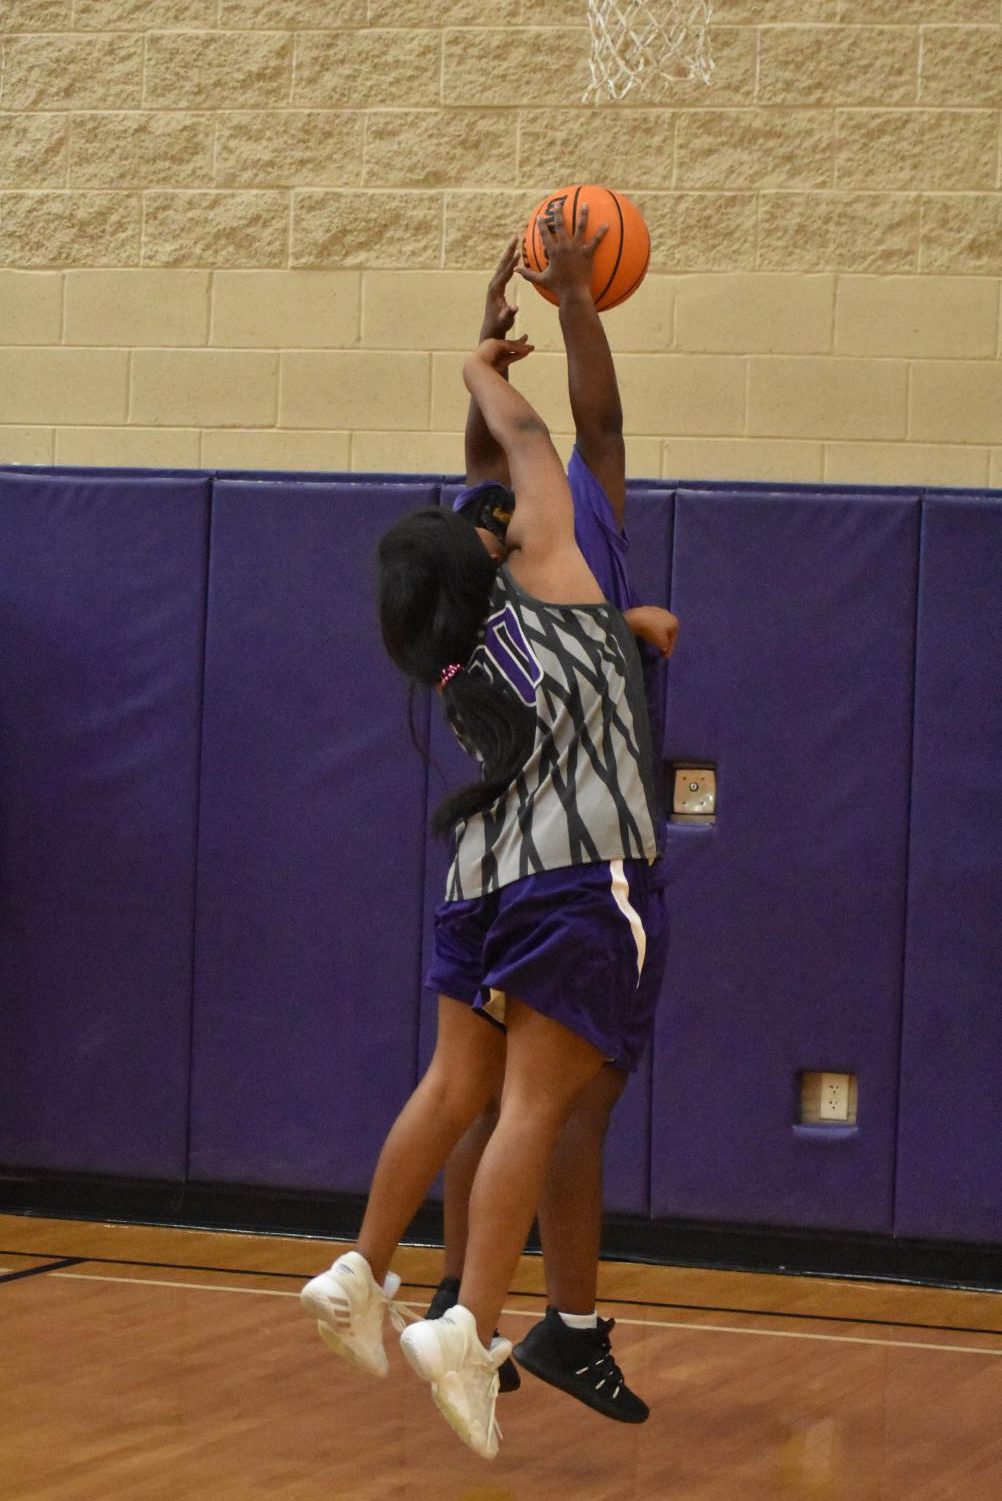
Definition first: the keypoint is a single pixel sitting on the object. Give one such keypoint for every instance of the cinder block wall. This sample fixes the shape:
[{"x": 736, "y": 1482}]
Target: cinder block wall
[{"x": 254, "y": 232}]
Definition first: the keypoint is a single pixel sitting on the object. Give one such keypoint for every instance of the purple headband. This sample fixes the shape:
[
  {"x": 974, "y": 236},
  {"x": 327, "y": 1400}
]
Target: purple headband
[{"x": 471, "y": 492}]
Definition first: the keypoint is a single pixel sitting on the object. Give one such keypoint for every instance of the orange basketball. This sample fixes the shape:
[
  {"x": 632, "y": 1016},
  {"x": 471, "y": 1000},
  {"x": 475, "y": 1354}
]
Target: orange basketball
[{"x": 621, "y": 259}]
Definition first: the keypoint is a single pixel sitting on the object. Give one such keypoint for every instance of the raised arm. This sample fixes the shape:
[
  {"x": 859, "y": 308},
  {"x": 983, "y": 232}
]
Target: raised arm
[
  {"x": 591, "y": 372},
  {"x": 485, "y": 458},
  {"x": 543, "y": 555}
]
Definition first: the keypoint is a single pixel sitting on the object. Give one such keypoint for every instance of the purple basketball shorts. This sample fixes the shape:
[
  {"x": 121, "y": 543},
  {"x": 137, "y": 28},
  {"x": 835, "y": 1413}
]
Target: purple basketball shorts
[{"x": 585, "y": 945}]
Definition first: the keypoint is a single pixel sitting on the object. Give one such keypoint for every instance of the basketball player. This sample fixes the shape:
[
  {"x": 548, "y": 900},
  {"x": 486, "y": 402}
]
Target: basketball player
[
  {"x": 541, "y": 680},
  {"x": 570, "y": 1347}
]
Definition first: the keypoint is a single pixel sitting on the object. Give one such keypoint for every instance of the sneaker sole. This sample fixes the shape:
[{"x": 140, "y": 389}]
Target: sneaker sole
[
  {"x": 526, "y": 1360},
  {"x": 422, "y": 1362},
  {"x": 457, "y": 1421},
  {"x": 334, "y": 1342}
]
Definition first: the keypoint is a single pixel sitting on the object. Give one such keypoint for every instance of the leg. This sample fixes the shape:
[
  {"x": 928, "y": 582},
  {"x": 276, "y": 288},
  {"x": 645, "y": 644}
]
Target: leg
[
  {"x": 570, "y": 1207},
  {"x": 547, "y": 1066},
  {"x": 349, "y": 1301},
  {"x": 576, "y": 1357},
  {"x": 460, "y": 1171},
  {"x": 466, "y": 1067},
  {"x": 574, "y": 1354}
]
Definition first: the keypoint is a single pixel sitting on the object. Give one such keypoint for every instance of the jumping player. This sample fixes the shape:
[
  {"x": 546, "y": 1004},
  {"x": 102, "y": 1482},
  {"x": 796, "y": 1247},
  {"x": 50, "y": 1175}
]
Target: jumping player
[
  {"x": 570, "y": 1347},
  {"x": 555, "y": 840}
]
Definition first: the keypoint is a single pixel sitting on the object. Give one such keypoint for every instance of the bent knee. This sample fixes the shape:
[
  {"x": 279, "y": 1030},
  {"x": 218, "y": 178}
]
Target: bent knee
[
  {"x": 459, "y": 1097},
  {"x": 593, "y": 1106}
]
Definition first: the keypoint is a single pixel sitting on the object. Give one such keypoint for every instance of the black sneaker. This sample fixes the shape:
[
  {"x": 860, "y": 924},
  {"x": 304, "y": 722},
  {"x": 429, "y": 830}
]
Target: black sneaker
[
  {"x": 579, "y": 1362},
  {"x": 446, "y": 1297}
]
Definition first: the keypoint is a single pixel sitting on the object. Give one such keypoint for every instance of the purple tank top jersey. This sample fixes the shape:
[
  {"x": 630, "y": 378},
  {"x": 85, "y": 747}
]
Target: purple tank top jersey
[{"x": 604, "y": 546}]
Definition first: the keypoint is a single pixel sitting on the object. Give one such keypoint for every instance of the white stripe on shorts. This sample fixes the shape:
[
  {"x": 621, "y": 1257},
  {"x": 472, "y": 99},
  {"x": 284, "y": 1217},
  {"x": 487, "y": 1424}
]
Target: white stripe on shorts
[{"x": 621, "y": 896}]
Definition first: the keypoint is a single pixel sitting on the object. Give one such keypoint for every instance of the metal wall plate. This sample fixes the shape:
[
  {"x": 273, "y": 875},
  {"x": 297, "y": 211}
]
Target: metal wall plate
[{"x": 695, "y": 792}]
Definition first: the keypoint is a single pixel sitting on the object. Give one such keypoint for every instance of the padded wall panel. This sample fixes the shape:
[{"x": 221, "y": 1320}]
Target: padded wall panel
[
  {"x": 950, "y": 1136},
  {"x": 796, "y": 679},
  {"x": 649, "y": 527},
  {"x": 311, "y": 846},
  {"x": 627, "y": 1147},
  {"x": 102, "y": 593}
]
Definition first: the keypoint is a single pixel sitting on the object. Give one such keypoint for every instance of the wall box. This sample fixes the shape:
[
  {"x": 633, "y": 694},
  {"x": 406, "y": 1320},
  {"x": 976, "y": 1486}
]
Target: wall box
[
  {"x": 828, "y": 1099},
  {"x": 694, "y": 794}
]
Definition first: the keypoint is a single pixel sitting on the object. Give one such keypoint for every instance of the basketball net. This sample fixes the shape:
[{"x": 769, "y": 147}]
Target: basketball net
[{"x": 646, "y": 45}]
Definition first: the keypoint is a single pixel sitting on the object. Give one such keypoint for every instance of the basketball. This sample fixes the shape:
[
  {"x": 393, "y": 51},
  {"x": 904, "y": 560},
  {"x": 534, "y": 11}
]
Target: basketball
[{"x": 621, "y": 259}]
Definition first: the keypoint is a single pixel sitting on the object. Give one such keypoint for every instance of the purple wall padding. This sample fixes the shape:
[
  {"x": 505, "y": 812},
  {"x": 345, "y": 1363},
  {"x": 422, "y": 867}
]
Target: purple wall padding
[
  {"x": 795, "y": 678},
  {"x": 627, "y": 1147},
  {"x": 311, "y": 844},
  {"x": 278, "y": 991},
  {"x": 950, "y": 1140},
  {"x": 102, "y": 593}
]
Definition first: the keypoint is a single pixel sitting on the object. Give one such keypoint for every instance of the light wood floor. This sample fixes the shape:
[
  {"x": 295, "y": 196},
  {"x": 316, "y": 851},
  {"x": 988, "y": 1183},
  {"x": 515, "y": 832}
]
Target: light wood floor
[{"x": 168, "y": 1363}]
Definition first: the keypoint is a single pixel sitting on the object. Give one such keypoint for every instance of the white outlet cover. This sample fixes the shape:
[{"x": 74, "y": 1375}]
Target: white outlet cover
[{"x": 834, "y": 1097}]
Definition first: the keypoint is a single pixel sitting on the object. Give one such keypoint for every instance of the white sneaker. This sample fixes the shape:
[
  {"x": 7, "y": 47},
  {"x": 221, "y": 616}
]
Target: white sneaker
[
  {"x": 463, "y": 1375},
  {"x": 349, "y": 1305}
]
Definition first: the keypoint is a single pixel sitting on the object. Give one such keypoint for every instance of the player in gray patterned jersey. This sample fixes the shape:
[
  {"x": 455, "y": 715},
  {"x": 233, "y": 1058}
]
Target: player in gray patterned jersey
[
  {"x": 541, "y": 680},
  {"x": 570, "y": 1348}
]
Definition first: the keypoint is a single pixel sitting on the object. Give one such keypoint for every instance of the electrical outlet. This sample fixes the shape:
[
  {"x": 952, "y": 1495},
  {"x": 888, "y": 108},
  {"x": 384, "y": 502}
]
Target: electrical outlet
[
  {"x": 829, "y": 1099},
  {"x": 834, "y": 1105}
]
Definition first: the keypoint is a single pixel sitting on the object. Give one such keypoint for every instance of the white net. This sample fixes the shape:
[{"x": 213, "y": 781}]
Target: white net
[{"x": 647, "y": 45}]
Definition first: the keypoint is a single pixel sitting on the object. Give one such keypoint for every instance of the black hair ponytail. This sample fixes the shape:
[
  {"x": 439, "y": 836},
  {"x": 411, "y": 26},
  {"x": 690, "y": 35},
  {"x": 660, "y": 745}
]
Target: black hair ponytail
[
  {"x": 435, "y": 582},
  {"x": 494, "y": 725}
]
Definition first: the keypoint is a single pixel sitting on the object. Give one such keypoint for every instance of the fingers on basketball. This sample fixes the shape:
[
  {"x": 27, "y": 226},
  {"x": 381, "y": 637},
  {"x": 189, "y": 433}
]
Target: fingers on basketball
[{"x": 620, "y": 247}]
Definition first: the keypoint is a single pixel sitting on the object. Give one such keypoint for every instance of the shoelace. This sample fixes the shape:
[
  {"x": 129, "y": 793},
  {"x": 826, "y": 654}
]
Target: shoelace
[
  {"x": 493, "y": 1387},
  {"x": 395, "y": 1310},
  {"x": 493, "y": 1426},
  {"x": 399, "y": 1315},
  {"x": 605, "y": 1364}
]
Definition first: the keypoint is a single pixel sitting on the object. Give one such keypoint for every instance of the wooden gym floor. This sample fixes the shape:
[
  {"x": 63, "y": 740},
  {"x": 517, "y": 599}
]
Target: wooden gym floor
[{"x": 143, "y": 1363}]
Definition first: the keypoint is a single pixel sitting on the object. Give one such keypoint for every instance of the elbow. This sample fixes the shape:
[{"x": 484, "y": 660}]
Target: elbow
[
  {"x": 528, "y": 426},
  {"x": 608, "y": 421}
]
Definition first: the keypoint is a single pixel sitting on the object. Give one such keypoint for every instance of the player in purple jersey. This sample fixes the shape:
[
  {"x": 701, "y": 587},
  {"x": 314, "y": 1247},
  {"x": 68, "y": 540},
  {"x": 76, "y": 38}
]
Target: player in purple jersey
[
  {"x": 555, "y": 842},
  {"x": 570, "y": 1347}
]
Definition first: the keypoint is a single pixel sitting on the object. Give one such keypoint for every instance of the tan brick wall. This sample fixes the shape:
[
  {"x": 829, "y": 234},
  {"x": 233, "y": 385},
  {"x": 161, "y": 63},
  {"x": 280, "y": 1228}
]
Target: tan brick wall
[{"x": 255, "y": 232}]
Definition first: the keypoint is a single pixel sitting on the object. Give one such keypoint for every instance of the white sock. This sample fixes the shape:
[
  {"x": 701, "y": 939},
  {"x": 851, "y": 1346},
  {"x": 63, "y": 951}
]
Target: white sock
[{"x": 580, "y": 1320}]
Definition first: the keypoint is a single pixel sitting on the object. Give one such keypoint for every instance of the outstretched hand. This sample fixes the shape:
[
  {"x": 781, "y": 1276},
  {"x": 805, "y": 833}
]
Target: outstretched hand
[
  {"x": 500, "y": 353},
  {"x": 569, "y": 256},
  {"x": 499, "y": 314}
]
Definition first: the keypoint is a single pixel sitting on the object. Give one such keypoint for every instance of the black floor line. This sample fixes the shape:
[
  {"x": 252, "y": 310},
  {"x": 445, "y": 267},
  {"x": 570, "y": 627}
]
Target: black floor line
[
  {"x": 756, "y": 1313},
  {"x": 36, "y": 1271}
]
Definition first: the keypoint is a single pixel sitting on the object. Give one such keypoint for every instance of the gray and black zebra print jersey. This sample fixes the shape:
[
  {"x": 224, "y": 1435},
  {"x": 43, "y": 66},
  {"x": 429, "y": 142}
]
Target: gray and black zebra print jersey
[{"x": 587, "y": 791}]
